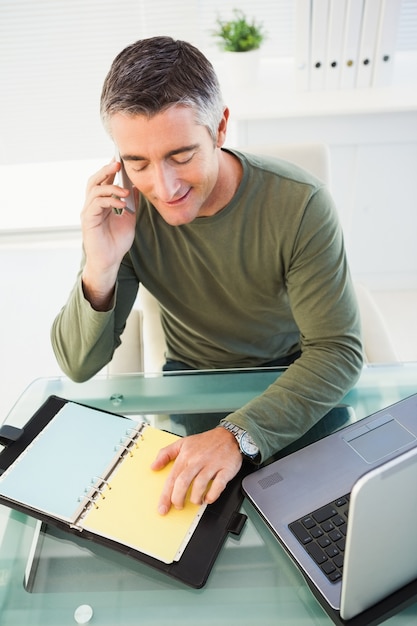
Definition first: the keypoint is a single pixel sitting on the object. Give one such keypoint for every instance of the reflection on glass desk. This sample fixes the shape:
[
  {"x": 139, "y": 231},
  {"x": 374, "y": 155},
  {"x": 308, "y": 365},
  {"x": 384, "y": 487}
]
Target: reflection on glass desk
[{"x": 51, "y": 578}]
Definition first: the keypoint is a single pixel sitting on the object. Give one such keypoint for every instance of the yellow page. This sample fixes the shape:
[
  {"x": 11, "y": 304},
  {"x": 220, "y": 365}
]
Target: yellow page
[{"x": 128, "y": 512}]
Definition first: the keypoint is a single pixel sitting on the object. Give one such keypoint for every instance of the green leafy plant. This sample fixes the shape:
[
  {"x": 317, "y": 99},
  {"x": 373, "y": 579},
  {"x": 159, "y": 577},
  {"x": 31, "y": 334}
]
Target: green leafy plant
[{"x": 239, "y": 34}]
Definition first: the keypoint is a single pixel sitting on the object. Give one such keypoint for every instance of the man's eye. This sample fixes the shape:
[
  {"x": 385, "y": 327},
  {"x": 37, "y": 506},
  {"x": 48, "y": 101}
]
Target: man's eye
[
  {"x": 139, "y": 168},
  {"x": 183, "y": 158}
]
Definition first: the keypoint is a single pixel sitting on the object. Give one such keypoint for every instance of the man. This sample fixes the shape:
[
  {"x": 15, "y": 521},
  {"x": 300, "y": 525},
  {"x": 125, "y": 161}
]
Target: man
[{"x": 244, "y": 254}]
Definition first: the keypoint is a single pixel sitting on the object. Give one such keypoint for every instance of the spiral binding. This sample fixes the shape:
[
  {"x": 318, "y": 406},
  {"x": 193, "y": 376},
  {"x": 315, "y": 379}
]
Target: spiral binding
[{"x": 100, "y": 484}]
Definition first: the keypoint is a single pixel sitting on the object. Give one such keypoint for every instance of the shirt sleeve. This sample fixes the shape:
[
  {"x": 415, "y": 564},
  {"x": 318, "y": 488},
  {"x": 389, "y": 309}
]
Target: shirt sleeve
[
  {"x": 84, "y": 339},
  {"x": 325, "y": 309}
]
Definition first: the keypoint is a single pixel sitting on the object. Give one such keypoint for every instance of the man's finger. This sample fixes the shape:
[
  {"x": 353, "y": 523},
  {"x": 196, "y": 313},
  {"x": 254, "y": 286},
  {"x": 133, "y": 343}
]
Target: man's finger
[
  {"x": 216, "y": 488},
  {"x": 166, "y": 455}
]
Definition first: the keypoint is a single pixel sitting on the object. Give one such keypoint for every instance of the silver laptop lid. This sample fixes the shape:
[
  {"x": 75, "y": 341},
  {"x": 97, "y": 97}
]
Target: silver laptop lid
[{"x": 381, "y": 542}]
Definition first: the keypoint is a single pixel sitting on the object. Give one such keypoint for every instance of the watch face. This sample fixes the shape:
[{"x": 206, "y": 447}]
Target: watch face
[{"x": 247, "y": 446}]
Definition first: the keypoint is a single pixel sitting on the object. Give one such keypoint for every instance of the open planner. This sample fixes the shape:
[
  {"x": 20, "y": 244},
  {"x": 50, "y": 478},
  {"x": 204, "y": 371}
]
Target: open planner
[{"x": 88, "y": 471}]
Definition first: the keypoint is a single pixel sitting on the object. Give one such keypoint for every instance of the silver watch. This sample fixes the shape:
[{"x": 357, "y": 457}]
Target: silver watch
[{"x": 247, "y": 446}]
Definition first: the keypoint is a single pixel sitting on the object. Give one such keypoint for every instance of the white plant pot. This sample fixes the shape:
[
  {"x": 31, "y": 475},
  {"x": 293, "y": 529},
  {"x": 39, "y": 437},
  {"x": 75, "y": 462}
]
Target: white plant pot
[{"x": 241, "y": 68}]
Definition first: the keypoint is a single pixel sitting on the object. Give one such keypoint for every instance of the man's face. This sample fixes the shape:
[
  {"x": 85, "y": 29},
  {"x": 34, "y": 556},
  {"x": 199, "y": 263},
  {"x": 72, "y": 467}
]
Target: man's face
[{"x": 173, "y": 162}]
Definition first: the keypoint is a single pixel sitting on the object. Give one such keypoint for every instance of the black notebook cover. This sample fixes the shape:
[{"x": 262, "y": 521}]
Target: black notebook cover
[{"x": 199, "y": 555}]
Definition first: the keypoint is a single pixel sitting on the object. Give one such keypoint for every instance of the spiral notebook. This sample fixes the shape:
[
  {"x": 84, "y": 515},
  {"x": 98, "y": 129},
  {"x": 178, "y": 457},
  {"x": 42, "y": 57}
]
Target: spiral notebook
[{"x": 88, "y": 471}]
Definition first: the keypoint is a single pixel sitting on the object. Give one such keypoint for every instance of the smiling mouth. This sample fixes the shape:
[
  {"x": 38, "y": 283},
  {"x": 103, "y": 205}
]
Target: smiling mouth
[{"x": 180, "y": 200}]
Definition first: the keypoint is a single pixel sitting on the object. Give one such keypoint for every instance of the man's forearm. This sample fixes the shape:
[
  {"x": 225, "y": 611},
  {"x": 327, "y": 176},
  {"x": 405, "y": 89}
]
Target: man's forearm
[{"x": 83, "y": 339}]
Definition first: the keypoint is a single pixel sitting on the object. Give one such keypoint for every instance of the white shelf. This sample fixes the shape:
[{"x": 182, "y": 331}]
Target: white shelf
[{"x": 273, "y": 94}]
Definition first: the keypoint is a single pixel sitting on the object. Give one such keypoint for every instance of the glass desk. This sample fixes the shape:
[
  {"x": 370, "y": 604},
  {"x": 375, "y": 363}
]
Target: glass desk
[{"x": 253, "y": 580}]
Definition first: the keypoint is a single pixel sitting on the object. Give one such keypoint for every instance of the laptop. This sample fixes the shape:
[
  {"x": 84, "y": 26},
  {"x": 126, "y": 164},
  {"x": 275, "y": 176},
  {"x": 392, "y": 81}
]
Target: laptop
[{"x": 368, "y": 470}]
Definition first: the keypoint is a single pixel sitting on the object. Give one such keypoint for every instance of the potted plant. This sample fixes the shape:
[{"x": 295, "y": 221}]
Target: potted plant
[
  {"x": 239, "y": 34},
  {"x": 236, "y": 36}
]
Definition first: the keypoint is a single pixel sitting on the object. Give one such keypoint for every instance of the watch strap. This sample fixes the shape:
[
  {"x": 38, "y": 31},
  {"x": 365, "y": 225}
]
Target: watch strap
[{"x": 238, "y": 433}]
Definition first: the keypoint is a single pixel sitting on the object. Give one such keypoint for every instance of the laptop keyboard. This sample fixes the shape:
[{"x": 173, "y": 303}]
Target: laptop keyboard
[{"x": 323, "y": 535}]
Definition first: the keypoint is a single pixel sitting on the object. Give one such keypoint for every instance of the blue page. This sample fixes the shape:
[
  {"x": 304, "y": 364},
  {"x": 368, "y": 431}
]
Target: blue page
[{"x": 61, "y": 463}]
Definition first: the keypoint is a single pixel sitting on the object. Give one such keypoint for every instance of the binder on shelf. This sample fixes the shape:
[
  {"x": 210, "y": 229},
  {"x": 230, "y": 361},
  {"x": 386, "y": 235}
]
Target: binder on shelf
[
  {"x": 318, "y": 39},
  {"x": 386, "y": 40},
  {"x": 351, "y": 42},
  {"x": 87, "y": 471},
  {"x": 302, "y": 44},
  {"x": 368, "y": 40},
  {"x": 336, "y": 27}
]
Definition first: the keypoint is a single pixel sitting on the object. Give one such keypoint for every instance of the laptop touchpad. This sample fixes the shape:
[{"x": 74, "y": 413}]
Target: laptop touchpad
[{"x": 378, "y": 438}]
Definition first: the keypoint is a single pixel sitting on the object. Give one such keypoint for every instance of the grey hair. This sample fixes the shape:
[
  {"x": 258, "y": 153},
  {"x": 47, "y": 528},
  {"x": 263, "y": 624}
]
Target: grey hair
[{"x": 155, "y": 74}]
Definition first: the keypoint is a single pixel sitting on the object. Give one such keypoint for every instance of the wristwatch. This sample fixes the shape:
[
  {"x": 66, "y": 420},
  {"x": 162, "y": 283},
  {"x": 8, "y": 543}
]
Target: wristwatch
[{"x": 247, "y": 446}]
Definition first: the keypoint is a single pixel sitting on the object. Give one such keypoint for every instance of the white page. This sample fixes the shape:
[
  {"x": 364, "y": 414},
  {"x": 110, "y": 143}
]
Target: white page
[{"x": 51, "y": 476}]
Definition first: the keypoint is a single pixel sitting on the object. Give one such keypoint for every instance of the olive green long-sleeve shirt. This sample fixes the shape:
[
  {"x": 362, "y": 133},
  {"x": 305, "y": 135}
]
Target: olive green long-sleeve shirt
[{"x": 259, "y": 280}]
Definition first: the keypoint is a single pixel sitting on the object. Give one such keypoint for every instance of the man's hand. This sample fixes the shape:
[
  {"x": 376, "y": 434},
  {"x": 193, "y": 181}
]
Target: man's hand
[
  {"x": 211, "y": 457},
  {"x": 107, "y": 236}
]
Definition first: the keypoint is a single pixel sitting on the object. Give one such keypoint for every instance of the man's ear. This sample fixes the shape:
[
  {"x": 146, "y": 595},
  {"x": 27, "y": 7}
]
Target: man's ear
[{"x": 221, "y": 131}]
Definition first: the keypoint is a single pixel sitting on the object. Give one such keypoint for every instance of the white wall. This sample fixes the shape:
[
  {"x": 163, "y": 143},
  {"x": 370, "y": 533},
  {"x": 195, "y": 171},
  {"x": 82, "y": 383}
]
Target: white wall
[{"x": 34, "y": 283}]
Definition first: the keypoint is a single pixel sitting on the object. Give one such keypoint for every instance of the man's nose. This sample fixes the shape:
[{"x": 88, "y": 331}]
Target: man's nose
[{"x": 165, "y": 183}]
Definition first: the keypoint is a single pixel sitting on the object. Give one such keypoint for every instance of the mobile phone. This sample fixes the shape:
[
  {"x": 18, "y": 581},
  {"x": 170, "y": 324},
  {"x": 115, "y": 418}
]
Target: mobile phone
[{"x": 123, "y": 180}]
